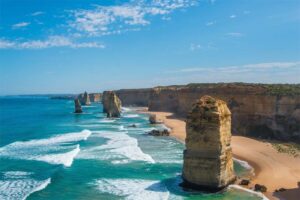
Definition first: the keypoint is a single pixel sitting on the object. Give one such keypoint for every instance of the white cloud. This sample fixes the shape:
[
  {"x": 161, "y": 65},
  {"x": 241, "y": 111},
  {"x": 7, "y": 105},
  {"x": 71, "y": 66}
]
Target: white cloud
[
  {"x": 235, "y": 34},
  {"x": 37, "y": 13},
  {"x": 194, "y": 47},
  {"x": 246, "y": 12},
  {"x": 105, "y": 20},
  {"x": 52, "y": 41},
  {"x": 5, "y": 44},
  {"x": 210, "y": 23},
  {"x": 20, "y": 25},
  {"x": 232, "y": 16},
  {"x": 258, "y": 67}
]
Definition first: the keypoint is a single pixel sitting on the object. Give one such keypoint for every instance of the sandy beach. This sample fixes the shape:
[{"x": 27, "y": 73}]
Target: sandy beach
[{"x": 272, "y": 169}]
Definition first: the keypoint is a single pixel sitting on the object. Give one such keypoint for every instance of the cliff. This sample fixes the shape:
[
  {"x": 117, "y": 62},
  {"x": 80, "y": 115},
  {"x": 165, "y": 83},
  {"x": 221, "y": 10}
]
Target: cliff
[
  {"x": 111, "y": 104},
  {"x": 134, "y": 97},
  {"x": 208, "y": 160},
  {"x": 258, "y": 110}
]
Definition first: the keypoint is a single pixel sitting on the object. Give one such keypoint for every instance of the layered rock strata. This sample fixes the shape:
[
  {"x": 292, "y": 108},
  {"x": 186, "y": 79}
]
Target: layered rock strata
[
  {"x": 208, "y": 163},
  {"x": 111, "y": 104},
  {"x": 258, "y": 110}
]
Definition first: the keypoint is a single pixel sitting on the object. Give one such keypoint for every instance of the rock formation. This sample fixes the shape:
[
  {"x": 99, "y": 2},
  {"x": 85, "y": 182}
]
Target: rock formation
[
  {"x": 84, "y": 98},
  {"x": 164, "y": 132},
  {"x": 95, "y": 97},
  {"x": 111, "y": 104},
  {"x": 258, "y": 110},
  {"x": 77, "y": 106},
  {"x": 208, "y": 160},
  {"x": 153, "y": 119}
]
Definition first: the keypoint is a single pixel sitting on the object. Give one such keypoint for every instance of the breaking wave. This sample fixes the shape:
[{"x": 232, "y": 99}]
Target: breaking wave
[
  {"x": 19, "y": 185},
  {"x": 134, "y": 189},
  {"x": 259, "y": 194},
  {"x": 120, "y": 148},
  {"x": 60, "y": 149}
]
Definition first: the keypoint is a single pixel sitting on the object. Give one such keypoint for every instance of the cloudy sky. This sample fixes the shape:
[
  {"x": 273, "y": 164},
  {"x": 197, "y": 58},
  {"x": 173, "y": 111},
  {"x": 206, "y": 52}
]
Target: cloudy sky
[{"x": 68, "y": 46}]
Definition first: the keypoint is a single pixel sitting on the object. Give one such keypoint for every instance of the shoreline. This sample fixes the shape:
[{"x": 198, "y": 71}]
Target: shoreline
[{"x": 261, "y": 156}]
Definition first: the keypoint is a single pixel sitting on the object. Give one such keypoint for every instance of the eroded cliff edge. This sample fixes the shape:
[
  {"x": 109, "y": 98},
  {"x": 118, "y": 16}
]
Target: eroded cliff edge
[{"x": 258, "y": 110}]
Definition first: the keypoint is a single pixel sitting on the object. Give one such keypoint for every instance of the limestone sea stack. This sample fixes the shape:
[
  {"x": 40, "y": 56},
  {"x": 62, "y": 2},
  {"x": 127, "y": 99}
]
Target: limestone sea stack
[
  {"x": 86, "y": 99},
  {"x": 208, "y": 163},
  {"x": 78, "y": 108},
  {"x": 111, "y": 104}
]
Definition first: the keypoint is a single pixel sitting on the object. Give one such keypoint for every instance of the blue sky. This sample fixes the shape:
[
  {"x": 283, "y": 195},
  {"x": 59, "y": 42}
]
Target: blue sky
[{"x": 68, "y": 46}]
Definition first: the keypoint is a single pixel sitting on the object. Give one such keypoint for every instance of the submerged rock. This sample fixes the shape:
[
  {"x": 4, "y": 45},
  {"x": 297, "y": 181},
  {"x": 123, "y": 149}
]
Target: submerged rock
[
  {"x": 78, "y": 108},
  {"x": 208, "y": 163},
  {"x": 155, "y": 132},
  {"x": 111, "y": 104}
]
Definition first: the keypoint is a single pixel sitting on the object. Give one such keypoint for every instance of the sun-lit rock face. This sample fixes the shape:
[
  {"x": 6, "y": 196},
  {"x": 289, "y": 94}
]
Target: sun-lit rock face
[
  {"x": 84, "y": 99},
  {"x": 208, "y": 160},
  {"x": 111, "y": 104}
]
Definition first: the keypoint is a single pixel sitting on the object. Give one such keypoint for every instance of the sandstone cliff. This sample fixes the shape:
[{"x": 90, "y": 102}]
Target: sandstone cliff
[
  {"x": 208, "y": 160},
  {"x": 134, "y": 97},
  {"x": 111, "y": 104},
  {"x": 264, "y": 111},
  {"x": 77, "y": 105}
]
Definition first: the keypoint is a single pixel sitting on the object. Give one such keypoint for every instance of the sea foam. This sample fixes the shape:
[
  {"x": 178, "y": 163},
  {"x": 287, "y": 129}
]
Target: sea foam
[
  {"x": 19, "y": 185},
  {"x": 133, "y": 189},
  {"x": 120, "y": 148},
  {"x": 60, "y": 149},
  {"x": 259, "y": 194}
]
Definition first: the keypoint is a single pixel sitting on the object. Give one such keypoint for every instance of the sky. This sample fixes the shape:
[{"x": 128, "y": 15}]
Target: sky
[{"x": 70, "y": 46}]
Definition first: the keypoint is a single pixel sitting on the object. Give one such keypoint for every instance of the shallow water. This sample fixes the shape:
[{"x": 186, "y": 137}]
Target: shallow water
[{"x": 47, "y": 152}]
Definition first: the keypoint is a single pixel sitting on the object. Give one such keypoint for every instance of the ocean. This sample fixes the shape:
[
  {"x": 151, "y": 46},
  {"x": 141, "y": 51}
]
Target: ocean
[{"x": 48, "y": 152}]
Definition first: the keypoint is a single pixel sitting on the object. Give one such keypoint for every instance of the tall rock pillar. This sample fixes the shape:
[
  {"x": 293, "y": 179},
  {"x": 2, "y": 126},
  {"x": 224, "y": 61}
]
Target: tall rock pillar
[
  {"x": 111, "y": 104},
  {"x": 77, "y": 104},
  {"x": 208, "y": 163}
]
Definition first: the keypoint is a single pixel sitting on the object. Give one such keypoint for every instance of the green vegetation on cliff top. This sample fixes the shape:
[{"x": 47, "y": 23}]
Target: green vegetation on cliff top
[{"x": 271, "y": 89}]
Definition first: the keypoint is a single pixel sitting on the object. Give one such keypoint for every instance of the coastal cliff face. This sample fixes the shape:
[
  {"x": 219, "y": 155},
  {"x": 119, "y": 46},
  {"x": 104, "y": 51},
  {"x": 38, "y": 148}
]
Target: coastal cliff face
[
  {"x": 134, "y": 97},
  {"x": 111, "y": 104},
  {"x": 258, "y": 110},
  {"x": 208, "y": 160}
]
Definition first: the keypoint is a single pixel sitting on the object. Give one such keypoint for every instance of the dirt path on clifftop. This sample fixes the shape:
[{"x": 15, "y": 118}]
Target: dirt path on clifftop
[{"x": 272, "y": 169}]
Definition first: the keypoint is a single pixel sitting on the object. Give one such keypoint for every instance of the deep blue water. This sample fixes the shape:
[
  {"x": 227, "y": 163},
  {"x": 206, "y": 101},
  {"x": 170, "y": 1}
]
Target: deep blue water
[{"x": 48, "y": 152}]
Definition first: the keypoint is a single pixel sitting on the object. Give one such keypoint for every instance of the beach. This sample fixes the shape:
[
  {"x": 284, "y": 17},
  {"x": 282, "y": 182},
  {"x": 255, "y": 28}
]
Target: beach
[{"x": 273, "y": 169}]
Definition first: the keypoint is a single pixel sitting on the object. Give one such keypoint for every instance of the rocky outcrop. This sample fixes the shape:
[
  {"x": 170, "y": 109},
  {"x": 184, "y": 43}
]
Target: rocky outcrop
[
  {"x": 208, "y": 160},
  {"x": 77, "y": 104},
  {"x": 153, "y": 119},
  {"x": 111, "y": 104},
  {"x": 84, "y": 99},
  {"x": 164, "y": 132}
]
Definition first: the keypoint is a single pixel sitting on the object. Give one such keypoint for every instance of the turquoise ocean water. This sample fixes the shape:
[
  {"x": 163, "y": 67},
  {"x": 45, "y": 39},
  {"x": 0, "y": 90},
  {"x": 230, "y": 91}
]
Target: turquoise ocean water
[{"x": 48, "y": 152}]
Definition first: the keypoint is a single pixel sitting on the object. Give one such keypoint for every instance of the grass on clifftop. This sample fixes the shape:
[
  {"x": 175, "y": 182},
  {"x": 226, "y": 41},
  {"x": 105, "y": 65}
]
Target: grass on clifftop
[{"x": 270, "y": 89}]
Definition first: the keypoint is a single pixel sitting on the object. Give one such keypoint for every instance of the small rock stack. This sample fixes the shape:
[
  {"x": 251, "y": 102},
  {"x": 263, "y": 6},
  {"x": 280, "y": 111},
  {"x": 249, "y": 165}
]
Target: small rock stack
[
  {"x": 78, "y": 108},
  {"x": 111, "y": 104},
  {"x": 208, "y": 163}
]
